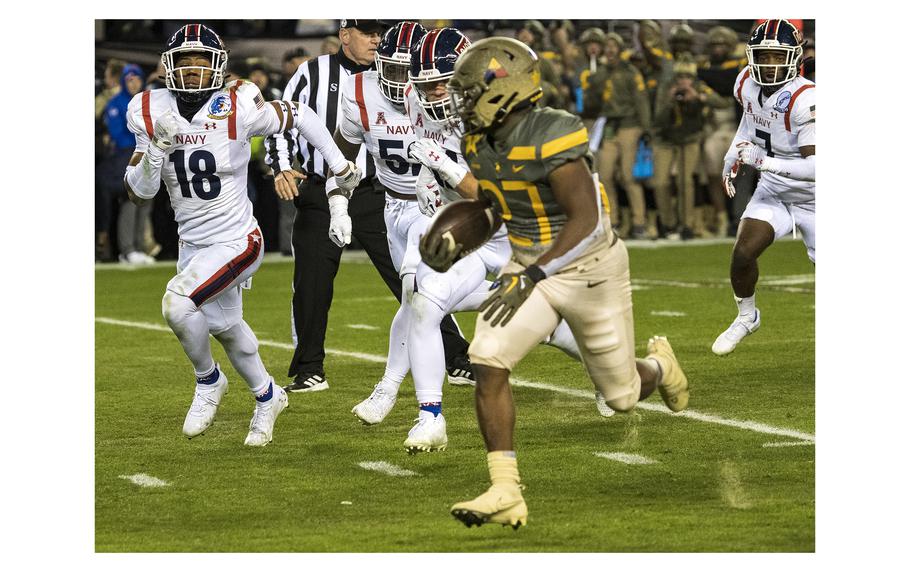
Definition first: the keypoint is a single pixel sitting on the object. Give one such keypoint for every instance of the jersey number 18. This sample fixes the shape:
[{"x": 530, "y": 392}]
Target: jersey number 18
[{"x": 202, "y": 165}]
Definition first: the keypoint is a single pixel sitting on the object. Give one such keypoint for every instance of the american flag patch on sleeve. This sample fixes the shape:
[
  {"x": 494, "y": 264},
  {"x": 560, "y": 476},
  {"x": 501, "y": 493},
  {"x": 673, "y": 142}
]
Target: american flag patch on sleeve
[
  {"x": 261, "y": 103},
  {"x": 812, "y": 112}
]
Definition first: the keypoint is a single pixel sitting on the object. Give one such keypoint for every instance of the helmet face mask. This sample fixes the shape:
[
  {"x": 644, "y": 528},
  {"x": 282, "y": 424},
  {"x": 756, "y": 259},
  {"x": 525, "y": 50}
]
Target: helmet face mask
[
  {"x": 194, "y": 81},
  {"x": 774, "y": 52},
  {"x": 433, "y": 62},
  {"x": 494, "y": 77},
  {"x": 393, "y": 58}
]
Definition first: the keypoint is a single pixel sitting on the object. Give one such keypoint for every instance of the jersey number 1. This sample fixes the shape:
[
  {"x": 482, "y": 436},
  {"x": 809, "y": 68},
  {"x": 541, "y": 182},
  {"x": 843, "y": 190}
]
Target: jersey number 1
[{"x": 202, "y": 164}]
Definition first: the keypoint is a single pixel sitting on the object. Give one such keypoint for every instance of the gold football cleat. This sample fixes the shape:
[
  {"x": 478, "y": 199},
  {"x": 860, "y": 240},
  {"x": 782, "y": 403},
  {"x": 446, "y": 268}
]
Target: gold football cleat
[
  {"x": 500, "y": 504},
  {"x": 673, "y": 387}
]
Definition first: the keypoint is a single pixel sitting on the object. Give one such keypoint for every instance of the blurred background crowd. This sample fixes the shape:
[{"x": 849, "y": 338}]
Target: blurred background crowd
[{"x": 656, "y": 96}]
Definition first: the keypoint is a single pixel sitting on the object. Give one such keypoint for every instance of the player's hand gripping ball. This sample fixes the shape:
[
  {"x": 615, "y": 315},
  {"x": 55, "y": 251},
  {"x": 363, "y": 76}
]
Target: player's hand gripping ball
[{"x": 458, "y": 229}]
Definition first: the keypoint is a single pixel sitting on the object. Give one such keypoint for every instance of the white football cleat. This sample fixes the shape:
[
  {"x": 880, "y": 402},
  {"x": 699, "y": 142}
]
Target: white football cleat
[
  {"x": 377, "y": 406},
  {"x": 727, "y": 341},
  {"x": 428, "y": 435},
  {"x": 263, "y": 422},
  {"x": 204, "y": 406},
  {"x": 602, "y": 407}
]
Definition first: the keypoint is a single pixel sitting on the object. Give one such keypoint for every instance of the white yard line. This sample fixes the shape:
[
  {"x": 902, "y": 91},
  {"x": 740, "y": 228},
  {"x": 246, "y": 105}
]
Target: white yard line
[
  {"x": 362, "y": 326},
  {"x": 388, "y": 469},
  {"x": 578, "y": 393},
  {"x": 670, "y": 314},
  {"x": 630, "y": 459},
  {"x": 145, "y": 480},
  {"x": 787, "y": 444}
]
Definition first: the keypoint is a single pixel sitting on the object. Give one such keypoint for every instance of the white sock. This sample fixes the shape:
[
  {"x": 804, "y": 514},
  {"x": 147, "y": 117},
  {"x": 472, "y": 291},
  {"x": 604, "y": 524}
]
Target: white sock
[
  {"x": 192, "y": 330},
  {"x": 563, "y": 339},
  {"x": 242, "y": 349},
  {"x": 428, "y": 365},
  {"x": 746, "y": 305}
]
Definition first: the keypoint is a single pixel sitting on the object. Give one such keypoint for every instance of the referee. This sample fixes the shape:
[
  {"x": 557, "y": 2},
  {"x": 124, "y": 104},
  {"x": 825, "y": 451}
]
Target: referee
[{"x": 318, "y": 83}]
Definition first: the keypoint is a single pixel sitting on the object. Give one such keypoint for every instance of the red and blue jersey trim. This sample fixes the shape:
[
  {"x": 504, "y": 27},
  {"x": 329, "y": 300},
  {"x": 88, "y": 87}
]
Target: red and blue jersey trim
[{"x": 230, "y": 272}]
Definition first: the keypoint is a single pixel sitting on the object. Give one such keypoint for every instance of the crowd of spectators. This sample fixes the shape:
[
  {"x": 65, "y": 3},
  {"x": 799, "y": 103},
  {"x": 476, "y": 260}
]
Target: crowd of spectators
[{"x": 657, "y": 98}]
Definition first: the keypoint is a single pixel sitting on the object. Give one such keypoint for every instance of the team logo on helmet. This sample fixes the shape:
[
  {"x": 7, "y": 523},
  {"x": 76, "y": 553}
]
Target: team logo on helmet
[
  {"x": 220, "y": 107},
  {"x": 494, "y": 71}
]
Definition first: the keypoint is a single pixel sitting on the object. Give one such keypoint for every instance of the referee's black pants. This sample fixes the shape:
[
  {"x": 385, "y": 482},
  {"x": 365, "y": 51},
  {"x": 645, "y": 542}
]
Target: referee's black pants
[{"x": 316, "y": 260}]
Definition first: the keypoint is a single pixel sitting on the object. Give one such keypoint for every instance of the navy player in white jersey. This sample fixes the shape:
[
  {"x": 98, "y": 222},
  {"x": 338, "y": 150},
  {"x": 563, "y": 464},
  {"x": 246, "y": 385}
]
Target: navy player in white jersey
[
  {"x": 194, "y": 136},
  {"x": 776, "y": 136}
]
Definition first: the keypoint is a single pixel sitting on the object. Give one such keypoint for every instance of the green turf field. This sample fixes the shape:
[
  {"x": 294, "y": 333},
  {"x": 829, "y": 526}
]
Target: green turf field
[{"x": 734, "y": 473}]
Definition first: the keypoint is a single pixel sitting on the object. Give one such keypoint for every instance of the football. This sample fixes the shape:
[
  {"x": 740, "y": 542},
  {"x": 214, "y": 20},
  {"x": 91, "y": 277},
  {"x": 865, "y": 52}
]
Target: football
[{"x": 469, "y": 223}]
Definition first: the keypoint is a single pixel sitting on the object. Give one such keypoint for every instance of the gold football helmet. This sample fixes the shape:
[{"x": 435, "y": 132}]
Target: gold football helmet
[{"x": 492, "y": 78}]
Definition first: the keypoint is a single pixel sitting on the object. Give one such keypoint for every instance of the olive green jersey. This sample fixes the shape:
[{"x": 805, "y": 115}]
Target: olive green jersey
[{"x": 513, "y": 175}]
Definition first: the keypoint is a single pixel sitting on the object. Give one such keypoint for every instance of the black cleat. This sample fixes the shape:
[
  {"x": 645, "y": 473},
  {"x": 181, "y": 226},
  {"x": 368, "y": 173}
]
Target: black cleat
[
  {"x": 308, "y": 382},
  {"x": 460, "y": 371}
]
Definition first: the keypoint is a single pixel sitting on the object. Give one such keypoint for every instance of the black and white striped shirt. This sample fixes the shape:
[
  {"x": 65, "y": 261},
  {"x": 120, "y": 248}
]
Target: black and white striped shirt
[{"x": 318, "y": 84}]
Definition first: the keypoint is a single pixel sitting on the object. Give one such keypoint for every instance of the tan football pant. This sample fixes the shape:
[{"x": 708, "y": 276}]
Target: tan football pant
[
  {"x": 686, "y": 158},
  {"x": 622, "y": 148},
  {"x": 595, "y": 299}
]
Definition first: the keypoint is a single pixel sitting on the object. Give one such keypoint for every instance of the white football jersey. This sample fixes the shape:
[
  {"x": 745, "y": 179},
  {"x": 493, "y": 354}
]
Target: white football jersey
[
  {"x": 206, "y": 170},
  {"x": 385, "y": 130},
  {"x": 448, "y": 136},
  {"x": 780, "y": 124}
]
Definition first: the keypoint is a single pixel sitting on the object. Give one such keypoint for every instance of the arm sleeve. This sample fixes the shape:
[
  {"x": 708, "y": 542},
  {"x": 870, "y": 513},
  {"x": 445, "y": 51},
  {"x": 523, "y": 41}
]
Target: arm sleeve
[
  {"x": 282, "y": 147},
  {"x": 349, "y": 124},
  {"x": 800, "y": 169},
  {"x": 742, "y": 135},
  {"x": 803, "y": 119},
  {"x": 135, "y": 123},
  {"x": 311, "y": 127}
]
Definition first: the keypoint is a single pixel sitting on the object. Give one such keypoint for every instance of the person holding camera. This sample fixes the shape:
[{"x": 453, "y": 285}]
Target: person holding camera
[{"x": 682, "y": 109}]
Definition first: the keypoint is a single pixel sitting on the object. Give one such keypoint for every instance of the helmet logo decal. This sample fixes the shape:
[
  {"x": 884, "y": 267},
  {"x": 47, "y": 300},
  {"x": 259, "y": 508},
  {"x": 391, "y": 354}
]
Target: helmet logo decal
[
  {"x": 494, "y": 71},
  {"x": 220, "y": 107}
]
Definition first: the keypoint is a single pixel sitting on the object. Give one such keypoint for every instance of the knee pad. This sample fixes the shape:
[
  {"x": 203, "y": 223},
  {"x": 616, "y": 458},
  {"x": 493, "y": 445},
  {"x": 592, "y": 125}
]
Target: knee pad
[
  {"x": 175, "y": 307},
  {"x": 425, "y": 312},
  {"x": 238, "y": 339},
  {"x": 436, "y": 288}
]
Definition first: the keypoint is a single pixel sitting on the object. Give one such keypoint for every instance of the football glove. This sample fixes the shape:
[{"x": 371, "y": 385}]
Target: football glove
[
  {"x": 439, "y": 253},
  {"x": 340, "y": 223},
  {"x": 166, "y": 127},
  {"x": 509, "y": 292},
  {"x": 428, "y": 197},
  {"x": 430, "y": 154},
  {"x": 728, "y": 177},
  {"x": 351, "y": 179},
  {"x": 750, "y": 154}
]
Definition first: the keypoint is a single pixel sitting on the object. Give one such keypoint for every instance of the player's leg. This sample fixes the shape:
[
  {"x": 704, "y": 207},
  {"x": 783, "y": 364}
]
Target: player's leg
[
  {"x": 226, "y": 324},
  {"x": 205, "y": 274},
  {"x": 765, "y": 219},
  {"x": 374, "y": 408},
  {"x": 597, "y": 305},
  {"x": 316, "y": 260},
  {"x": 495, "y": 351},
  {"x": 436, "y": 295},
  {"x": 370, "y": 231},
  {"x": 804, "y": 217}
]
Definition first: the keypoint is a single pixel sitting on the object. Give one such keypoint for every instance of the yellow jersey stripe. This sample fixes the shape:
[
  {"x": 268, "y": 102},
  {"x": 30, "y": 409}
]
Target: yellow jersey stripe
[{"x": 564, "y": 143}]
